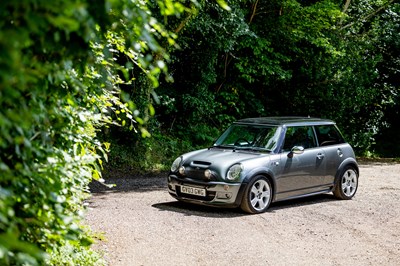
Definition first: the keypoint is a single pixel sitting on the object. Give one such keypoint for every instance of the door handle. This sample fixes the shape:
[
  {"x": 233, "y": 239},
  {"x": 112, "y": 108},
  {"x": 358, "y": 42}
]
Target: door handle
[{"x": 320, "y": 156}]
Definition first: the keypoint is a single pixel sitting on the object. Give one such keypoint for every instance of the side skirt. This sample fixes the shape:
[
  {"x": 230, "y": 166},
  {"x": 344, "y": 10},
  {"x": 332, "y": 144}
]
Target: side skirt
[{"x": 290, "y": 195}]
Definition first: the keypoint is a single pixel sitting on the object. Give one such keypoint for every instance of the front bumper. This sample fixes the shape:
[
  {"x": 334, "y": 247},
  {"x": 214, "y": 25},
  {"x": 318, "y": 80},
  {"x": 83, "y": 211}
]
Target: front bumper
[{"x": 218, "y": 194}]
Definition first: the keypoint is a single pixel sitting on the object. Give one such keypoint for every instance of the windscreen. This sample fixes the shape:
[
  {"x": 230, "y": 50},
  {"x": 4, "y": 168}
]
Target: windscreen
[{"x": 250, "y": 136}]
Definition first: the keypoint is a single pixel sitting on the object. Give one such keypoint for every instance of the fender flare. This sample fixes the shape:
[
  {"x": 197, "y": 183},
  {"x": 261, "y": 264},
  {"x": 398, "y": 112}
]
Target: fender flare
[
  {"x": 264, "y": 171},
  {"x": 347, "y": 162}
]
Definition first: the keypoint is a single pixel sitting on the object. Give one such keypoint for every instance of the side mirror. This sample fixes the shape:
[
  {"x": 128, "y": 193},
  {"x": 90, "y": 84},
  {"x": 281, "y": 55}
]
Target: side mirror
[{"x": 296, "y": 150}]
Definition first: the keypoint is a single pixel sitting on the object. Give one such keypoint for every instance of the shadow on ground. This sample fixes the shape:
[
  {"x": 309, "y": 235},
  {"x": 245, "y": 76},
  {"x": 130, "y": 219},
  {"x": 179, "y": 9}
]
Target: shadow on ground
[
  {"x": 206, "y": 211},
  {"x": 126, "y": 184}
]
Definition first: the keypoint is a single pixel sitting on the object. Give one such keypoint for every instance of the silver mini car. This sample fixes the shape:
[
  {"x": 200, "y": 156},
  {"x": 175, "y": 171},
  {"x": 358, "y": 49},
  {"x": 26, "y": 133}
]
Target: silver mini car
[{"x": 257, "y": 161}]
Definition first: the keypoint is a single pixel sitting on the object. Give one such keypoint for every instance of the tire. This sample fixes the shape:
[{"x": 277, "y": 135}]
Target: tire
[
  {"x": 346, "y": 184},
  {"x": 257, "y": 196}
]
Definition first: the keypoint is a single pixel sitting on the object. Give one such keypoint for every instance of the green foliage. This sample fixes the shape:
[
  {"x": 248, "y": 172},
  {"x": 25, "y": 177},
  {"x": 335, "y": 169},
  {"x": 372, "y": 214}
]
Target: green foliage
[
  {"x": 60, "y": 82},
  {"x": 267, "y": 58},
  {"x": 383, "y": 27},
  {"x": 76, "y": 253},
  {"x": 154, "y": 154},
  {"x": 213, "y": 33},
  {"x": 317, "y": 58}
]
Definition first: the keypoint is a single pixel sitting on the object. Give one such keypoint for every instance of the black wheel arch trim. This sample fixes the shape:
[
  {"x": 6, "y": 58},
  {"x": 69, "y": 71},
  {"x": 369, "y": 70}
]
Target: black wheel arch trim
[
  {"x": 264, "y": 172},
  {"x": 347, "y": 162},
  {"x": 240, "y": 194}
]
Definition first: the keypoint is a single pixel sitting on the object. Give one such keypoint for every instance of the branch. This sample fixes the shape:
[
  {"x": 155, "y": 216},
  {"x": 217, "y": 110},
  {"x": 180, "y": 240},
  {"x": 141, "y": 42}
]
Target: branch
[
  {"x": 183, "y": 23},
  {"x": 323, "y": 82},
  {"x": 346, "y": 6},
  {"x": 228, "y": 59},
  {"x": 253, "y": 13},
  {"x": 371, "y": 14}
]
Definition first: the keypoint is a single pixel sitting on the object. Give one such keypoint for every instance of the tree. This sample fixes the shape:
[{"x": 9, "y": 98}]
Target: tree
[{"x": 317, "y": 58}]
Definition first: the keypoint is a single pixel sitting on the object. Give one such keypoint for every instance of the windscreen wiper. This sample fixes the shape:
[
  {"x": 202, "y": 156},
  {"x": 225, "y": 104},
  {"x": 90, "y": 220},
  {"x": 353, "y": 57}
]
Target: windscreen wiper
[
  {"x": 259, "y": 149},
  {"x": 222, "y": 146}
]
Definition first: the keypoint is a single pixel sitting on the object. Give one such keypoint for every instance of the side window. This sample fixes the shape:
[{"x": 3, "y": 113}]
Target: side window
[
  {"x": 299, "y": 136},
  {"x": 328, "y": 135}
]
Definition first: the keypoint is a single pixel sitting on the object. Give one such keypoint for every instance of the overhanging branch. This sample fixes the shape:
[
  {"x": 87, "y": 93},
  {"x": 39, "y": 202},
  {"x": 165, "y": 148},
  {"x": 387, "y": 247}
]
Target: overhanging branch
[{"x": 372, "y": 14}]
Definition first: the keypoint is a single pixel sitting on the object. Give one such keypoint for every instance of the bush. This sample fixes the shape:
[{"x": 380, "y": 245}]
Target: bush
[{"x": 58, "y": 85}]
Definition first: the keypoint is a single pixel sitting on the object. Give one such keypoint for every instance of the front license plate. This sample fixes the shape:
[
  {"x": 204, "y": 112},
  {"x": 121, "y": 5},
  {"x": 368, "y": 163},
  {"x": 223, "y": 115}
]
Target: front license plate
[{"x": 193, "y": 191}]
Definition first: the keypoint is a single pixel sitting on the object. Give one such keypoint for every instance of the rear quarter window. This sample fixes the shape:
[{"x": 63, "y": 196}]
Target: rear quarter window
[{"x": 328, "y": 135}]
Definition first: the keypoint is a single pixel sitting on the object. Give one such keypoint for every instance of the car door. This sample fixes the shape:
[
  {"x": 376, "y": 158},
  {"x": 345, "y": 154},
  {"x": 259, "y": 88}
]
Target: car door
[
  {"x": 300, "y": 173},
  {"x": 332, "y": 143}
]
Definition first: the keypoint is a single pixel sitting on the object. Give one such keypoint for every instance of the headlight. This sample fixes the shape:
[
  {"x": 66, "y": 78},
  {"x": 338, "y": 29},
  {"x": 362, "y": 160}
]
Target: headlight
[
  {"x": 175, "y": 165},
  {"x": 234, "y": 172}
]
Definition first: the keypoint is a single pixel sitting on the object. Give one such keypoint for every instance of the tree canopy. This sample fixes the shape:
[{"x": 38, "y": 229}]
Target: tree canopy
[{"x": 326, "y": 59}]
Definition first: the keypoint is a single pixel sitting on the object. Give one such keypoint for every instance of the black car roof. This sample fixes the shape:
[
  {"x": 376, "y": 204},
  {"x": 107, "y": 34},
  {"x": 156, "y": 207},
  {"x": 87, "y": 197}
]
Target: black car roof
[{"x": 286, "y": 120}]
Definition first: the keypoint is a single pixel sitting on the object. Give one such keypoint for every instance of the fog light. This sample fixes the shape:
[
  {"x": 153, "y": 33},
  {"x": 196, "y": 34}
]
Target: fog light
[
  {"x": 207, "y": 174},
  {"x": 224, "y": 195},
  {"x": 182, "y": 170}
]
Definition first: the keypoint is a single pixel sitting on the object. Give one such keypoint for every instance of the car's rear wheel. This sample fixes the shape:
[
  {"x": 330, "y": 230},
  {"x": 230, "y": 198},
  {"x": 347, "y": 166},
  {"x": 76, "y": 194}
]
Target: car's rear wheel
[
  {"x": 257, "y": 196},
  {"x": 346, "y": 184}
]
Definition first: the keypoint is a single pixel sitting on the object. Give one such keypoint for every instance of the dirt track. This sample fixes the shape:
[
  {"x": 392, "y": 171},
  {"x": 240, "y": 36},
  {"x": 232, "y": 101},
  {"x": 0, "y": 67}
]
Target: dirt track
[{"x": 143, "y": 225}]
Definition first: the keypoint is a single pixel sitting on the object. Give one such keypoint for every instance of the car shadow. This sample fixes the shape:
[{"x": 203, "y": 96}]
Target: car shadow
[
  {"x": 293, "y": 203},
  {"x": 190, "y": 209}
]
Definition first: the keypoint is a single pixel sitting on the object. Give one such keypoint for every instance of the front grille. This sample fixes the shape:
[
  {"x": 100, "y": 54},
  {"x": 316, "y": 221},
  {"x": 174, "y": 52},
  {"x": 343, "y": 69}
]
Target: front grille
[{"x": 198, "y": 174}]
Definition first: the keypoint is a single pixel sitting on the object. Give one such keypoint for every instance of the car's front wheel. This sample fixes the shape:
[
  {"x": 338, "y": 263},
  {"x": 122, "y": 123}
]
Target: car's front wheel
[
  {"x": 257, "y": 196},
  {"x": 346, "y": 184}
]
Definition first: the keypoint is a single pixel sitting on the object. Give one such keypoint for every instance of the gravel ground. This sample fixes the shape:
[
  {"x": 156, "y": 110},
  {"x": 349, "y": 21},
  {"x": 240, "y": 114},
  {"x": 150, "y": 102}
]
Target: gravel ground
[{"x": 142, "y": 225}]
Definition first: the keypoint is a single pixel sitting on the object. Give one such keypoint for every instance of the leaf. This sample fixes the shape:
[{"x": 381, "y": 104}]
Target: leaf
[
  {"x": 224, "y": 5},
  {"x": 152, "y": 111}
]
